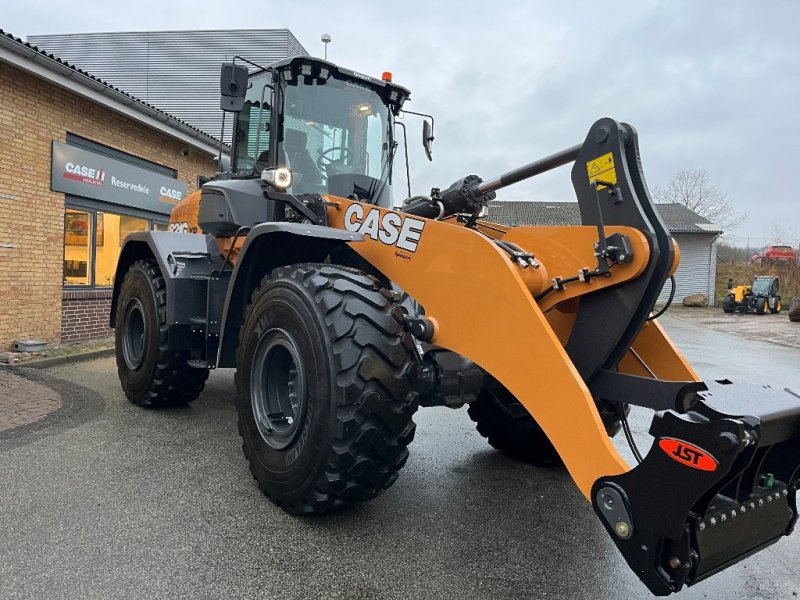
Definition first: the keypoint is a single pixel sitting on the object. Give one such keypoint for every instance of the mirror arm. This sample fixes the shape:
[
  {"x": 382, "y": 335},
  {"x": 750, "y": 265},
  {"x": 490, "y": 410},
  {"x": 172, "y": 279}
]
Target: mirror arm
[{"x": 405, "y": 149}]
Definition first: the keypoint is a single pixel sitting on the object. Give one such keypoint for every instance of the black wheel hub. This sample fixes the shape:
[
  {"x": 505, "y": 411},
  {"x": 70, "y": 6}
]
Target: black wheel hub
[
  {"x": 278, "y": 389},
  {"x": 134, "y": 334}
]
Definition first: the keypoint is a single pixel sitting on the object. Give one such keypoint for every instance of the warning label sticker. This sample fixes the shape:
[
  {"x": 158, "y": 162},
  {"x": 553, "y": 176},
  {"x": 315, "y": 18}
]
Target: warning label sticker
[{"x": 602, "y": 169}]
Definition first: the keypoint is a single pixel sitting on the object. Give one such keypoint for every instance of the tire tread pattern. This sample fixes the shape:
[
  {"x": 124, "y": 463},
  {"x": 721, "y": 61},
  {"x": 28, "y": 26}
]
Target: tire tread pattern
[
  {"x": 371, "y": 359},
  {"x": 174, "y": 382}
]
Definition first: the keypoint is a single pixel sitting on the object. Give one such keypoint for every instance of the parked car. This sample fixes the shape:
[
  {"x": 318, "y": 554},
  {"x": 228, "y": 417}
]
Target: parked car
[{"x": 775, "y": 254}]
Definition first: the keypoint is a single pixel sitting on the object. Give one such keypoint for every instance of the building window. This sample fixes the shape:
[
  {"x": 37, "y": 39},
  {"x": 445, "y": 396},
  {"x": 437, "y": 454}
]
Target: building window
[
  {"x": 92, "y": 244},
  {"x": 78, "y": 226}
]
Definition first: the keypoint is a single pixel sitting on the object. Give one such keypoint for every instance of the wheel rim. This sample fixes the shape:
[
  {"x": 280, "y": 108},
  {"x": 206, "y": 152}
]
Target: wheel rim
[
  {"x": 277, "y": 389},
  {"x": 134, "y": 334}
]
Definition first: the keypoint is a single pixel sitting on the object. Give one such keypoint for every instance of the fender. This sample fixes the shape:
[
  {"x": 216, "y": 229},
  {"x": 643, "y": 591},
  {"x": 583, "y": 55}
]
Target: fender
[
  {"x": 185, "y": 262},
  {"x": 268, "y": 246}
]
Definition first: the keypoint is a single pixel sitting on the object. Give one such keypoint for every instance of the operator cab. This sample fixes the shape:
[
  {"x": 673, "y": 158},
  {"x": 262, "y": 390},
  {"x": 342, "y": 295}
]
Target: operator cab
[{"x": 332, "y": 127}]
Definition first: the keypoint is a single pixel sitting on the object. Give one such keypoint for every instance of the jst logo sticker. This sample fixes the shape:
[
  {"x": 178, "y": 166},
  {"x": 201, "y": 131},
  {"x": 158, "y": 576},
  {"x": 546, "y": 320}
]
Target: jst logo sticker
[{"x": 688, "y": 454}]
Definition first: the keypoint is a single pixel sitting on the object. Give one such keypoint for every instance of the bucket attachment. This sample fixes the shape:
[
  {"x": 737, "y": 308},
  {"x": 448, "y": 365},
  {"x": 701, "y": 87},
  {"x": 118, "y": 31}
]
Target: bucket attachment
[{"x": 717, "y": 485}]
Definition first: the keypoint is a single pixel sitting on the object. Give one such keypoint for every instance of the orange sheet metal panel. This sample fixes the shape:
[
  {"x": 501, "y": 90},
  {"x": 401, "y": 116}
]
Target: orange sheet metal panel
[{"x": 484, "y": 311}]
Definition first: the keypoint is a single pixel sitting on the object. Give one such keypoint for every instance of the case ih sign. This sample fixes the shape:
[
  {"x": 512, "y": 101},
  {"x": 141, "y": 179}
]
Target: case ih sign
[{"x": 79, "y": 172}]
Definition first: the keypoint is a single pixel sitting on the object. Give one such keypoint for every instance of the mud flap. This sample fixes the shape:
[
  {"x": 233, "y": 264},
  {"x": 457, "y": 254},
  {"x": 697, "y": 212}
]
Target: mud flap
[{"x": 717, "y": 485}]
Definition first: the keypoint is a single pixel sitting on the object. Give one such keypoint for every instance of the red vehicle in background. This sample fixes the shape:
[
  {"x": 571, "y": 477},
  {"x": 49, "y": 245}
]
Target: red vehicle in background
[{"x": 775, "y": 254}]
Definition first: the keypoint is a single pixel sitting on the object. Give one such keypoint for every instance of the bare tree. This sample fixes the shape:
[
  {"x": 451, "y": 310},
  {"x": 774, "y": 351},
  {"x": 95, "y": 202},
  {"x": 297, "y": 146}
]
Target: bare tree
[
  {"x": 781, "y": 234},
  {"x": 693, "y": 189}
]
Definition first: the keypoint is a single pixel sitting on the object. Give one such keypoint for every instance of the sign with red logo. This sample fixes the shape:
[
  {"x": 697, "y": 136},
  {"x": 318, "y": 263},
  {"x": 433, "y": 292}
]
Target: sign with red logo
[
  {"x": 84, "y": 174},
  {"x": 688, "y": 454},
  {"x": 80, "y": 172}
]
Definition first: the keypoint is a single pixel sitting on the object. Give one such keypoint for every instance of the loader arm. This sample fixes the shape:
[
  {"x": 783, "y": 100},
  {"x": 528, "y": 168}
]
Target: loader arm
[
  {"x": 720, "y": 478},
  {"x": 483, "y": 310}
]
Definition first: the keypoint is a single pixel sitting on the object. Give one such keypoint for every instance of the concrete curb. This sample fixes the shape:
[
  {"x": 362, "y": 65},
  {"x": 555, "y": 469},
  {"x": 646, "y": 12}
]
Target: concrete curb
[{"x": 53, "y": 361}]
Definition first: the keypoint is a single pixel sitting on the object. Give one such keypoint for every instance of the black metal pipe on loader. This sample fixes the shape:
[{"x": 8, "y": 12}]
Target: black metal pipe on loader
[
  {"x": 537, "y": 167},
  {"x": 471, "y": 193}
]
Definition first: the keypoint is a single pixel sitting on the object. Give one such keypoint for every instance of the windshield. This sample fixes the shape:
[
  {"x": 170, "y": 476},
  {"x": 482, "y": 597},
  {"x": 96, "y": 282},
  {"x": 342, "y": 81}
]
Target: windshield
[
  {"x": 337, "y": 139},
  {"x": 761, "y": 286}
]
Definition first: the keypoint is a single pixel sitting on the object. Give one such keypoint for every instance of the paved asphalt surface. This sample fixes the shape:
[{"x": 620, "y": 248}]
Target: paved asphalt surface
[{"x": 160, "y": 504}]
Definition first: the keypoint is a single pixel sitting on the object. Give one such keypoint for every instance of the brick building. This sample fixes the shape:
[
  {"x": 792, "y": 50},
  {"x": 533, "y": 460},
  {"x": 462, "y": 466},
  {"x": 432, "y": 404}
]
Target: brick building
[{"x": 81, "y": 165}]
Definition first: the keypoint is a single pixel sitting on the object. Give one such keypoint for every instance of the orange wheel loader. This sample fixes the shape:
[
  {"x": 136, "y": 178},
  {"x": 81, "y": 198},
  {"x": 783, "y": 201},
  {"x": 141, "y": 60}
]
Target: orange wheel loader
[{"x": 343, "y": 315}]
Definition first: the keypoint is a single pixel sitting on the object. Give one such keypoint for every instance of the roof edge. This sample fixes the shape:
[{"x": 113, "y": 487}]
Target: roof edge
[{"x": 46, "y": 66}]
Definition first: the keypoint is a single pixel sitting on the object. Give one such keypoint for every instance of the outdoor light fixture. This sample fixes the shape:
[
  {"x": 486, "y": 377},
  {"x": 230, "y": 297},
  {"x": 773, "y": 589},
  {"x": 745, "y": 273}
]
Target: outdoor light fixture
[{"x": 280, "y": 177}]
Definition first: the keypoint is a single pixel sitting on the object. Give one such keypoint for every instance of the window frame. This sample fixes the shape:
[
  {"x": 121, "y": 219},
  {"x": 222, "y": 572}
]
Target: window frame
[{"x": 92, "y": 208}]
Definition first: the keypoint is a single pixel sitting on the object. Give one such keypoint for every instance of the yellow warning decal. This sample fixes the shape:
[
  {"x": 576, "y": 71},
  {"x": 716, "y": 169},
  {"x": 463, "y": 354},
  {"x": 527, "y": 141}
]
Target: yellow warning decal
[{"x": 603, "y": 169}]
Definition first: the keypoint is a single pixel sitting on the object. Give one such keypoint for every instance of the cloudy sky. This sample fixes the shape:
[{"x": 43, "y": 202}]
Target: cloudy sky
[{"x": 709, "y": 85}]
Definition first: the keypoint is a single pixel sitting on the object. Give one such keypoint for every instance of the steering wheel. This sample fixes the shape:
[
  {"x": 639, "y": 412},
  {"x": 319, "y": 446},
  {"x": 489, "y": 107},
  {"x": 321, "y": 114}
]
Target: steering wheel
[{"x": 325, "y": 160}]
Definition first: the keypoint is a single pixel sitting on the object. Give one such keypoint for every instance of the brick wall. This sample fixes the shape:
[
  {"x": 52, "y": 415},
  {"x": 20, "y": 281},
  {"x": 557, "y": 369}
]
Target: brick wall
[
  {"x": 84, "y": 315},
  {"x": 33, "y": 113}
]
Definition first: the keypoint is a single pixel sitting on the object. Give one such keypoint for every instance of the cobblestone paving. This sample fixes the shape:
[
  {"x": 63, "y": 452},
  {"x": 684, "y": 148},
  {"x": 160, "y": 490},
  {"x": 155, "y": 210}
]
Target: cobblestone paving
[
  {"x": 34, "y": 404},
  {"x": 24, "y": 402}
]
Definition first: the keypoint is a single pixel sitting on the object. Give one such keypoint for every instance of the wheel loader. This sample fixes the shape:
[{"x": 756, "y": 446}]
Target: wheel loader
[
  {"x": 343, "y": 315},
  {"x": 762, "y": 296}
]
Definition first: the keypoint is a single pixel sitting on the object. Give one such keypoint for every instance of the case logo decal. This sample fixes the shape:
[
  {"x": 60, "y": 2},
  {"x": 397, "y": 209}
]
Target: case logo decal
[
  {"x": 391, "y": 229},
  {"x": 688, "y": 454}
]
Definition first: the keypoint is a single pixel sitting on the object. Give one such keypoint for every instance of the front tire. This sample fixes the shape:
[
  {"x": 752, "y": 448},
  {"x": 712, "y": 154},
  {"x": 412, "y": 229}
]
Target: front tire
[
  {"x": 151, "y": 375},
  {"x": 728, "y": 305},
  {"x": 323, "y": 394}
]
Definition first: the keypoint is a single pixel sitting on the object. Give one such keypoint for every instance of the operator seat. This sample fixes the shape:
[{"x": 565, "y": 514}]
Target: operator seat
[{"x": 300, "y": 159}]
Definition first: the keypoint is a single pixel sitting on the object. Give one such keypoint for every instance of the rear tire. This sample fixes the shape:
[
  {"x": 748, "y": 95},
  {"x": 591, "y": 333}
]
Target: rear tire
[
  {"x": 508, "y": 427},
  {"x": 323, "y": 393},
  {"x": 775, "y": 307},
  {"x": 151, "y": 375}
]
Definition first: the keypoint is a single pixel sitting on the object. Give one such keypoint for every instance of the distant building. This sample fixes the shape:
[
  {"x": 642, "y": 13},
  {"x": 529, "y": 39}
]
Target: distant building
[
  {"x": 175, "y": 71},
  {"x": 84, "y": 164},
  {"x": 696, "y": 236}
]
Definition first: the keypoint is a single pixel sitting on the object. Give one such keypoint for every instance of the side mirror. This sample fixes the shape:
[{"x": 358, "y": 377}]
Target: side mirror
[
  {"x": 427, "y": 139},
  {"x": 232, "y": 86}
]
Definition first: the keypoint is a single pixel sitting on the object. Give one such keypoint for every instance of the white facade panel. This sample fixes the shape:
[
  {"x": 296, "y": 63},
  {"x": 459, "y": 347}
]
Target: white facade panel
[{"x": 697, "y": 269}]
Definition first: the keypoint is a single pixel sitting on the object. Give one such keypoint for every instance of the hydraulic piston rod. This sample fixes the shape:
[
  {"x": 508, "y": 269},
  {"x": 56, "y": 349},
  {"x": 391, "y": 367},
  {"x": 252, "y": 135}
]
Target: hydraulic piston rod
[
  {"x": 537, "y": 167},
  {"x": 471, "y": 193}
]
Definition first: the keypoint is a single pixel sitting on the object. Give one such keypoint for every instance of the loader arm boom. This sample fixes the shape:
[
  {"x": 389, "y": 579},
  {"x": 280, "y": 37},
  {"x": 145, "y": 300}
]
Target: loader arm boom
[
  {"x": 561, "y": 342},
  {"x": 483, "y": 310}
]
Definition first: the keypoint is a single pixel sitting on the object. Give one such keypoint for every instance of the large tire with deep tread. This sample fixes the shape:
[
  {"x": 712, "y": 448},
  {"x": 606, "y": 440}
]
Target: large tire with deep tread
[
  {"x": 323, "y": 394},
  {"x": 728, "y": 304},
  {"x": 151, "y": 375},
  {"x": 508, "y": 427}
]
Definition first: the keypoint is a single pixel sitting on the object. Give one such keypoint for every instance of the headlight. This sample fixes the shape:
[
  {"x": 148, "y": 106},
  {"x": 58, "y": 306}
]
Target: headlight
[{"x": 280, "y": 177}]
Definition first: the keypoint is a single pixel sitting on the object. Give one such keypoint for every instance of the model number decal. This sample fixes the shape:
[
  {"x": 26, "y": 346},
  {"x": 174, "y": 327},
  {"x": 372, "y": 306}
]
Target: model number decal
[
  {"x": 181, "y": 228},
  {"x": 688, "y": 454},
  {"x": 390, "y": 229}
]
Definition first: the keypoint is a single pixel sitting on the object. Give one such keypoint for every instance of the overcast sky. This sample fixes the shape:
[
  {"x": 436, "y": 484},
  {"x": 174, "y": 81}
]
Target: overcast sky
[{"x": 708, "y": 85}]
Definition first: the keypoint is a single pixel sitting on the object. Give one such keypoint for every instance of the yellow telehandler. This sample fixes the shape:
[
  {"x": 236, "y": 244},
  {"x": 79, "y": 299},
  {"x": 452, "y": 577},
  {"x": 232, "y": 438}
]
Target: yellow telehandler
[{"x": 343, "y": 315}]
